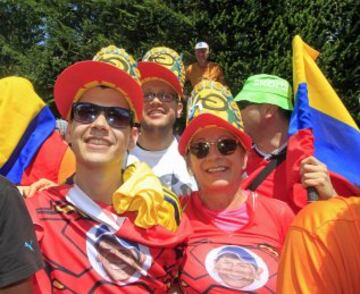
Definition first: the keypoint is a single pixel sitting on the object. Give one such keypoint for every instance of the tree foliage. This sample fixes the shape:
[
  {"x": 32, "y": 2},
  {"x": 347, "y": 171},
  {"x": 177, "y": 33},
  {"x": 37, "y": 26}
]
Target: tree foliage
[{"x": 38, "y": 39}]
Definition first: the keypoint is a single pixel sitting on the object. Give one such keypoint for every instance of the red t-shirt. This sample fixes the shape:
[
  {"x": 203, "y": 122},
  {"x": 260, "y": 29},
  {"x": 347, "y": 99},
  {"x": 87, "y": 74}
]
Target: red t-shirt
[
  {"x": 275, "y": 184},
  {"x": 217, "y": 261},
  {"x": 85, "y": 256}
]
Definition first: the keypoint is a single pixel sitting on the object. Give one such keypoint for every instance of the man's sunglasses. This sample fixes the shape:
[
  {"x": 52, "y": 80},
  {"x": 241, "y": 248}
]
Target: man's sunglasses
[
  {"x": 162, "y": 96},
  {"x": 202, "y": 149},
  {"x": 243, "y": 104},
  {"x": 116, "y": 117}
]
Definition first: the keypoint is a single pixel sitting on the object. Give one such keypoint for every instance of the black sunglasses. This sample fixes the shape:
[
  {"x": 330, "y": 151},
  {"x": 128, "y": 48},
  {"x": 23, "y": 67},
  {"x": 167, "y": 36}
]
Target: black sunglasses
[
  {"x": 116, "y": 117},
  {"x": 202, "y": 149}
]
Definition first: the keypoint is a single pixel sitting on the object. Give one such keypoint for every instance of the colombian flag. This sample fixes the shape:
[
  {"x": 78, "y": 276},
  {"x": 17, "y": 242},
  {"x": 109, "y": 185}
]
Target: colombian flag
[
  {"x": 30, "y": 147},
  {"x": 321, "y": 125}
]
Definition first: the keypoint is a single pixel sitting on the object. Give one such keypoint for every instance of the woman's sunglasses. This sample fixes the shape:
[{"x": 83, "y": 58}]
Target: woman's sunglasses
[
  {"x": 202, "y": 149},
  {"x": 116, "y": 117}
]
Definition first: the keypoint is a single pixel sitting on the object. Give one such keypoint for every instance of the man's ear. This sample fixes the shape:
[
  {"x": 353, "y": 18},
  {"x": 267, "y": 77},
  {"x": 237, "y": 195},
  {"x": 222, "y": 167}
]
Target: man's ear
[
  {"x": 268, "y": 110},
  {"x": 134, "y": 135},
  {"x": 179, "y": 109},
  {"x": 68, "y": 133}
]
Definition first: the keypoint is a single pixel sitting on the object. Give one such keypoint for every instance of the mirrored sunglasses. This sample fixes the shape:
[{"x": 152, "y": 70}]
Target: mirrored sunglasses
[
  {"x": 202, "y": 149},
  {"x": 116, "y": 117},
  {"x": 162, "y": 96}
]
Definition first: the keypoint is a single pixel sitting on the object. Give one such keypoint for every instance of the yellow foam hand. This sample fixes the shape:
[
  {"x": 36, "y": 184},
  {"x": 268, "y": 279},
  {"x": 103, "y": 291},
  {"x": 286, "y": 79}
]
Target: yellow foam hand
[{"x": 143, "y": 192}]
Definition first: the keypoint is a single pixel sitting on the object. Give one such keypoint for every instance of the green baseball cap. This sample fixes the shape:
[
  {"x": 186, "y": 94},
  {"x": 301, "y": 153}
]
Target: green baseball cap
[{"x": 268, "y": 89}]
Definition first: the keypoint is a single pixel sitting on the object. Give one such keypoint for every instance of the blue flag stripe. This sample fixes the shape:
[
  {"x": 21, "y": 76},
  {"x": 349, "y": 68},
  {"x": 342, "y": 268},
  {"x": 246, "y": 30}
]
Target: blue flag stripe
[
  {"x": 37, "y": 132},
  {"x": 336, "y": 144}
]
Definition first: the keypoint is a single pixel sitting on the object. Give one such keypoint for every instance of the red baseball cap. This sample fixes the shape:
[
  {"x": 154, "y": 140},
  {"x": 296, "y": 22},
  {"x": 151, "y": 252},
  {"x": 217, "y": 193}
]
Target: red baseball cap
[
  {"x": 111, "y": 67},
  {"x": 165, "y": 64}
]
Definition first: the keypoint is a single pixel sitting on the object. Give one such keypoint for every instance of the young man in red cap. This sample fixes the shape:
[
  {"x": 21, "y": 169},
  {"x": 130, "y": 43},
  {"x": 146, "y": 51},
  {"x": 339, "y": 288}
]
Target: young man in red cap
[
  {"x": 203, "y": 69},
  {"x": 162, "y": 77},
  {"x": 87, "y": 230}
]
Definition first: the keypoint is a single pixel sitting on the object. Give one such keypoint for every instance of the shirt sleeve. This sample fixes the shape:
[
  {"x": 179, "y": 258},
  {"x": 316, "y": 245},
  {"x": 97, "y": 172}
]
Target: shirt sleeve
[
  {"x": 20, "y": 256},
  {"x": 221, "y": 77}
]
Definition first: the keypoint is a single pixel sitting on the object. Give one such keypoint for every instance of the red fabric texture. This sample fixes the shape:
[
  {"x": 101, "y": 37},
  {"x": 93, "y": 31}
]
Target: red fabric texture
[
  {"x": 274, "y": 185},
  {"x": 300, "y": 146},
  {"x": 46, "y": 163}
]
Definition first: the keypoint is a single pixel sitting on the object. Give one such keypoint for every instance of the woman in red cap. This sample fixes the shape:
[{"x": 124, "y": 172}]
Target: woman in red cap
[{"x": 238, "y": 234}]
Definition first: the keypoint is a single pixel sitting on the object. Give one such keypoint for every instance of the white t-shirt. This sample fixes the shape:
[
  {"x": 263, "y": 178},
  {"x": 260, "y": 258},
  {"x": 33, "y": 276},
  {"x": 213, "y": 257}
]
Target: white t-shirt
[{"x": 168, "y": 165}]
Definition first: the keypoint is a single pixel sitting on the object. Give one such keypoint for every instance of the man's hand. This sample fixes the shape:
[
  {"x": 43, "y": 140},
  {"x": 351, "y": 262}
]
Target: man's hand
[
  {"x": 40, "y": 185},
  {"x": 315, "y": 174}
]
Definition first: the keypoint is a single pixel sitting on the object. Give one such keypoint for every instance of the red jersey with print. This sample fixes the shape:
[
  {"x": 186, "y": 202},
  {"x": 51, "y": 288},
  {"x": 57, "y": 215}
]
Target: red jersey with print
[
  {"x": 244, "y": 260},
  {"x": 84, "y": 255}
]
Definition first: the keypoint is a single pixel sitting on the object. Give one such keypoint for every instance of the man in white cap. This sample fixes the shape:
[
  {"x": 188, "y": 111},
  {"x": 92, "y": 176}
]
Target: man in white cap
[{"x": 203, "y": 69}]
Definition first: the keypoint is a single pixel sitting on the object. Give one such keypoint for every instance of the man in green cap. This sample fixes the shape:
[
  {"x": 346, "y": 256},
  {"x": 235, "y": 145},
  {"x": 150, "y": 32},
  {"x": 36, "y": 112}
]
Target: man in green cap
[{"x": 266, "y": 104}]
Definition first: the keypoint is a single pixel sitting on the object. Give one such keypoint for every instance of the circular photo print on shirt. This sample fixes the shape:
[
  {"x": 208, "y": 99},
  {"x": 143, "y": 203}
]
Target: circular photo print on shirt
[
  {"x": 116, "y": 259},
  {"x": 237, "y": 268}
]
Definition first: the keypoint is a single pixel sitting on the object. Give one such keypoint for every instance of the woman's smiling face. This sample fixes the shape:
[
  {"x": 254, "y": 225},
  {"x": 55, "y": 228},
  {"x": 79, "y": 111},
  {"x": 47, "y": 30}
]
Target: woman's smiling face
[{"x": 217, "y": 171}]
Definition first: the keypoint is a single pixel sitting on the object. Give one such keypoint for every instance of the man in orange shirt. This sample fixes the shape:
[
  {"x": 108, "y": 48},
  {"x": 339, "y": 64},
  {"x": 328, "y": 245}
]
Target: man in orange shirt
[{"x": 203, "y": 69}]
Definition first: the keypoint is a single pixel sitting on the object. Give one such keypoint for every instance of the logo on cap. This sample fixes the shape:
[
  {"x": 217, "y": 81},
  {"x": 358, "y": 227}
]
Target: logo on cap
[
  {"x": 168, "y": 58},
  {"x": 213, "y": 98},
  {"x": 119, "y": 58},
  {"x": 264, "y": 88},
  {"x": 201, "y": 45}
]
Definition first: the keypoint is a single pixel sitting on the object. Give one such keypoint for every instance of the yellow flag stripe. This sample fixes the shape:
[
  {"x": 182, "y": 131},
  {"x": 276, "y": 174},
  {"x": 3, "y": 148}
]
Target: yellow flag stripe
[{"x": 322, "y": 96}]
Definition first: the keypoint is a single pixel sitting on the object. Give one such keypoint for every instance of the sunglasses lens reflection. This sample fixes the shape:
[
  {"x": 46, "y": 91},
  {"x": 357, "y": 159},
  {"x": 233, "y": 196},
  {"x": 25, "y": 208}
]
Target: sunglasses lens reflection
[
  {"x": 224, "y": 146},
  {"x": 117, "y": 117}
]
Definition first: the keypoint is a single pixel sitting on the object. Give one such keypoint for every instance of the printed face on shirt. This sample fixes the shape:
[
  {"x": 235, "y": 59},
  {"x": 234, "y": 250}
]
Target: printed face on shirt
[
  {"x": 116, "y": 259},
  {"x": 119, "y": 263},
  {"x": 236, "y": 272},
  {"x": 237, "y": 268},
  {"x": 97, "y": 143},
  {"x": 160, "y": 112},
  {"x": 216, "y": 172}
]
